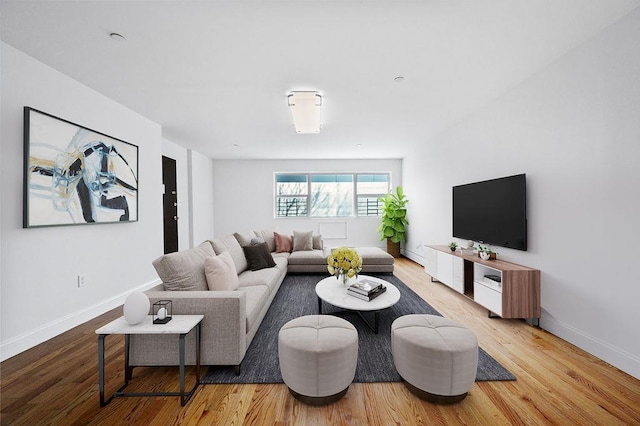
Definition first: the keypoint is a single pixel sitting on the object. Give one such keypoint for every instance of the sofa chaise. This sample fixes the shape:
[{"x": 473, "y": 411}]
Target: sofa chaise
[{"x": 232, "y": 316}]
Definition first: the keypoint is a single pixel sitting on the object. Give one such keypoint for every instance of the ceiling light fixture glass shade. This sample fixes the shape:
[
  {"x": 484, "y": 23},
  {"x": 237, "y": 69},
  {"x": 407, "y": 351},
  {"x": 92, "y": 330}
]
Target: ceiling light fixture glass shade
[{"x": 306, "y": 108}]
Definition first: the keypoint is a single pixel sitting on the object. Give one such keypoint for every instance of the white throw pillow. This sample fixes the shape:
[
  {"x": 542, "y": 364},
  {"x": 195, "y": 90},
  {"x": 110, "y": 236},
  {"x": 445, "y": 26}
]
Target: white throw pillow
[{"x": 221, "y": 272}]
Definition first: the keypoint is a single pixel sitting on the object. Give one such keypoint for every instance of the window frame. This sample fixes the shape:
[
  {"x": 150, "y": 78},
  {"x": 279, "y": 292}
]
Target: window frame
[{"x": 307, "y": 196}]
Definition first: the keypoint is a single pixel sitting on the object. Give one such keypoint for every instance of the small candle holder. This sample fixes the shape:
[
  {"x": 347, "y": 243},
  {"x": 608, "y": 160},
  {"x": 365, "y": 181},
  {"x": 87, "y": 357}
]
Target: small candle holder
[{"x": 162, "y": 312}]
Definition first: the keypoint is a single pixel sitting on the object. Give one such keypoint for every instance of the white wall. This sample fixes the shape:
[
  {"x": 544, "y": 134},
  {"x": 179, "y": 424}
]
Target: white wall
[
  {"x": 180, "y": 154},
  {"x": 39, "y": 293},
  {"x": 244, "y": 192},
  {"x": 574, "y": 128},
  {"x": 201, "y": 197}
]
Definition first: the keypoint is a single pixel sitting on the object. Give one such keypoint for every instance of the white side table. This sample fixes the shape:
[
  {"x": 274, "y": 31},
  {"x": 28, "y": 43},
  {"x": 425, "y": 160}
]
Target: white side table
[{"x": 179, "y": 324}]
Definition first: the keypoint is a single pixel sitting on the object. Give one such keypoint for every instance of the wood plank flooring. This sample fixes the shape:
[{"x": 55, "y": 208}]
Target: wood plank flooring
[{"x": 57, "y": 383}]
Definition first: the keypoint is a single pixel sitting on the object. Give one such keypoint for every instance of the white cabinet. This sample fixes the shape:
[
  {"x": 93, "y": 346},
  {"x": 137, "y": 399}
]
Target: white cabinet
[
  {"x": 458, "y": 274},
  {"x": 445, "y": 268},
  {"x": 431, "y": 262},
  {"x": 487, "y": 287},
  {"x": 487, "y": 297}
]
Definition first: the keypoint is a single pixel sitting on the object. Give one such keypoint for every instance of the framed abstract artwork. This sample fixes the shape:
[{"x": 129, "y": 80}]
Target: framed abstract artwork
[{"x": 74, "y": 175}]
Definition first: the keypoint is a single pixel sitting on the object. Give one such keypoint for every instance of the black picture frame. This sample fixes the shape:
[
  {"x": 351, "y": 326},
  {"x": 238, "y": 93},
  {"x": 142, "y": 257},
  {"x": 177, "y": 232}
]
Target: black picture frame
[{"x": 74, "y": 175}]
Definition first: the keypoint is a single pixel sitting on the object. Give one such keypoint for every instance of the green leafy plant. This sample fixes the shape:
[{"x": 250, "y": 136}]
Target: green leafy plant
[
  {"x": 485, "y": 249},
  {"x": 394, "y": 216},
  {"x": 453, "y": 245}
]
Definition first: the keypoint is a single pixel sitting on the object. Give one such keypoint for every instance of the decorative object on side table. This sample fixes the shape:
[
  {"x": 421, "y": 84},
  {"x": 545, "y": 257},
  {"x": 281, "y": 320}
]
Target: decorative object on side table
[
  {"x": 453, "y": 245},
  {"x": 485, "y": 252},
  {"x": 162, "y": 312},
  {"x": 394, "y": 223},
  {"x": 136, "y": 308},
  {"x": 344, "y": 263}
]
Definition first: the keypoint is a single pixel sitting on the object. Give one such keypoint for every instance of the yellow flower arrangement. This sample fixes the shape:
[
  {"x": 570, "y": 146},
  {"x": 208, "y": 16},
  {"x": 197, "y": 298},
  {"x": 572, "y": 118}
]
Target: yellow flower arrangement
[{"x": 344, "y": 262}]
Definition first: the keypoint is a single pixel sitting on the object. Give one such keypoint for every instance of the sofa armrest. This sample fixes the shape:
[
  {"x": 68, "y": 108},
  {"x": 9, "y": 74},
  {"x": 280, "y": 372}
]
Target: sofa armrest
[{"x": 223, "y": 329}]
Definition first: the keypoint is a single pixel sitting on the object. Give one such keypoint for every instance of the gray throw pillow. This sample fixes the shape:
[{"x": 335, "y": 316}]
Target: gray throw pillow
[
  {"x": 257, "y": 240},
  {"x": 302, "y": 241},
  {"x": 244, "y": 238}
]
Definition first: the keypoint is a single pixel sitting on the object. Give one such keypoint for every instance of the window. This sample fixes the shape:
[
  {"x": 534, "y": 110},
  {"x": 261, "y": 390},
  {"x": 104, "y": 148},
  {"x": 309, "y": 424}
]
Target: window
[
  {"x": 370, "y": 187},
  {"x": 292, "y": 195},
  {"x": 329, "y": 195}
]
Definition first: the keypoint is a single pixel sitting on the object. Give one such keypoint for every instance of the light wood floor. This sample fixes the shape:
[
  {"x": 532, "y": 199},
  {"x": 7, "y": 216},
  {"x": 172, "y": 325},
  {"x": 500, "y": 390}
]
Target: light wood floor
[{"x": 56, "y": 383}]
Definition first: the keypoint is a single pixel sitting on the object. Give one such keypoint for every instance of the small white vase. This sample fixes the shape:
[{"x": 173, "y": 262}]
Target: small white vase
[
  {"x": 484, "y": 255},
  {"x": 136, "y": 308}
]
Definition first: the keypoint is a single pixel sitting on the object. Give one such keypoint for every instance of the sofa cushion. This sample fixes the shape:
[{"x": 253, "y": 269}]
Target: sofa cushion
[
  {"x": 281, "y": 261},
  {"x": 283, "y": 255},
  {"x": 221, "y": 272},
  {"x": 244, "y": 238},
  {"x": 268, "y": 277},
  {"x": 184, "y": 270},
  {"x": 258, "y": 256},
  {"x": 268, "y": 238},
  {"x": 317, "y": 242},
  {"x": 302, "y": 241},
  {"x": 283, "y": 242},
  {"x": 230, "y": 243},
  {"x": 374, "y": 256},
  {"x": 308, "y": 257},
  {"x": 256, "y": 296}
]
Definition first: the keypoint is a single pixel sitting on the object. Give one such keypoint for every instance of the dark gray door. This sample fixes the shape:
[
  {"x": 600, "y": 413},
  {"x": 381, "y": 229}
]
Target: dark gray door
[{"x": 170, "y": 205}]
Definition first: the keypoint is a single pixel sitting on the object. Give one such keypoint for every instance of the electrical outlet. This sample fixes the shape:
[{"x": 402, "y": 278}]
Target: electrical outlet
[{"x": 81, "y": 282}]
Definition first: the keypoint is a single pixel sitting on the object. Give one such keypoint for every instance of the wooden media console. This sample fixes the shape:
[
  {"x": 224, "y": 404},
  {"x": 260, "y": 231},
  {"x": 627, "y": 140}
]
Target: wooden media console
[{"x": 506, "y": 289}]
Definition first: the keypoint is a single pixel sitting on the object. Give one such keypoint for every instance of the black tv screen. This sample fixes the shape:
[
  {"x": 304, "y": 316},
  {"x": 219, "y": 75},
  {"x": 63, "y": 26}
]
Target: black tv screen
[{"x": 492, "y": 211}]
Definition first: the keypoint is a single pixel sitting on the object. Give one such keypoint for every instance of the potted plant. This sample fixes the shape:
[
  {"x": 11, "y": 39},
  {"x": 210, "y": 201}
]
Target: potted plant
[
  {"x": 485, "y": 252},
  {"x": 453, "y": 245},
  {"x": 394, "y": 220}
]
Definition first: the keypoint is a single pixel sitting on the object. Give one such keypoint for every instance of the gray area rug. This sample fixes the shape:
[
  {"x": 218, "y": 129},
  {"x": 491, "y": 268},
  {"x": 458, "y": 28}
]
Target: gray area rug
[{"x": 296, "y": 298}]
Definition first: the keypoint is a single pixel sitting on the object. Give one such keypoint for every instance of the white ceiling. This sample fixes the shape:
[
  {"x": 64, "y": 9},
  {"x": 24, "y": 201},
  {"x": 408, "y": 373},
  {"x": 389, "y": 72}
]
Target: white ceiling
[{"x": 215, "y": 74}]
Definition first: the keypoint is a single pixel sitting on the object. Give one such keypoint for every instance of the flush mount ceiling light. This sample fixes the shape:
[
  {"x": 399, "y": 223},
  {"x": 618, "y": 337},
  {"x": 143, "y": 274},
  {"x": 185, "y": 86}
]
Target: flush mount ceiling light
[{"x": 306, "y": 108}]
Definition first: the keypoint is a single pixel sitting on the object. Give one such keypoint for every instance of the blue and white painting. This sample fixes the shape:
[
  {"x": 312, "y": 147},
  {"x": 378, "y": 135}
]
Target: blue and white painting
[{"x": 74, "y": 175}]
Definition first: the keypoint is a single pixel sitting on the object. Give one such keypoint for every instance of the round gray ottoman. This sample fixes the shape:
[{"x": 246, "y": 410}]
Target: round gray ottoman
[
  {"x": 436, "y": 357},
  {"x": 318, "y": 356}
]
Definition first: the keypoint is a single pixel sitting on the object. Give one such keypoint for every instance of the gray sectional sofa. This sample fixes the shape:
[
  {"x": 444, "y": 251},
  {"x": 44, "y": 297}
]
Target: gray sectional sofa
[{"x": 231, "y": 317}]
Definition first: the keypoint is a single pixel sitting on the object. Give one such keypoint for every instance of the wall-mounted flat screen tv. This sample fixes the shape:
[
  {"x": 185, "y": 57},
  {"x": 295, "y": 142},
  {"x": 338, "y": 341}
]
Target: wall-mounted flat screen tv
[{"x": 492, "y": 211}]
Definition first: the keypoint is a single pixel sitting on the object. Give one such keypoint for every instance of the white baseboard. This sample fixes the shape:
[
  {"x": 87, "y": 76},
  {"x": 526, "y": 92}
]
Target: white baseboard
[
  {"x": 416, "y": 257},
  {"x": 25, "y": 341},
  {"x": 613, "y": 355}
]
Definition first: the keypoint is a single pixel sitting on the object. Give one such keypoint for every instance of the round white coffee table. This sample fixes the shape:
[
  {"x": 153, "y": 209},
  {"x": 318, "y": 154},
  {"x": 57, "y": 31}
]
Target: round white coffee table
[{"x": 335, "y": 293}]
